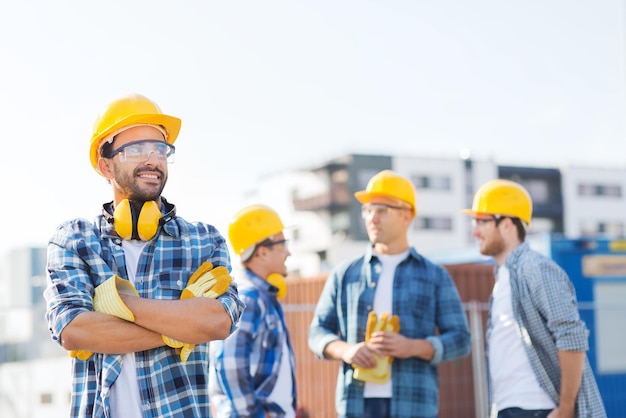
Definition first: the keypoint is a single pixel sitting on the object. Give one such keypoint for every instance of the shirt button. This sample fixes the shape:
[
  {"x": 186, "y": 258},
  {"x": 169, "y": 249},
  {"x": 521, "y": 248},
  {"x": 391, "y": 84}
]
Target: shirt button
[
  {"x": 179, "y": 283},
  {"x": 373, "y": 284}
]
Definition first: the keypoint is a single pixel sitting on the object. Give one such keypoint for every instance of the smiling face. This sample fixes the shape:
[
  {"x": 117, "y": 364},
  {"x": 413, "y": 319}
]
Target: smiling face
[
  {"x": 497, "y": 236},
  {"x": 486, "y": 232},
  {"x": 136, "y": 181}
]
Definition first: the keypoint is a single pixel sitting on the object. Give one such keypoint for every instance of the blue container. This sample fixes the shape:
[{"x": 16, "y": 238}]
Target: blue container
[{"x": 597, "y": 268}]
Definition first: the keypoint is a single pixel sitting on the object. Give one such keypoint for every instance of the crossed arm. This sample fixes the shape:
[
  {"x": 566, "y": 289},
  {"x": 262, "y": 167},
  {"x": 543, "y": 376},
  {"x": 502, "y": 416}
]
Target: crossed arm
[{"x": 194, "y": 320}]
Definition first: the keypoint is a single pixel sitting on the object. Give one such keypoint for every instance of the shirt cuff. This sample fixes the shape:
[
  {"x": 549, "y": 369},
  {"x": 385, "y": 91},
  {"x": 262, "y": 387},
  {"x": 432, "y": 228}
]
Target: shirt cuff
[
  {"x": 322, "y": 343},
  {"x": 438, "y": 347}
]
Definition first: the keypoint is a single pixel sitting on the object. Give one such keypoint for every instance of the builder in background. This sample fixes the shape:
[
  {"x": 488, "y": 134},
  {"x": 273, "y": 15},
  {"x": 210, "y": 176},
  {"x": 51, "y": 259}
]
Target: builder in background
[
  {"x": 391, "y": 316},
  {"x": 536, "y": 342},
  {"x": 253, "y": 370}
]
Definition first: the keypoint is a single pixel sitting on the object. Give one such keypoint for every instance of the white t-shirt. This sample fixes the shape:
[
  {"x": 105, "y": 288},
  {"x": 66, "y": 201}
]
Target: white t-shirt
[
  {"x": 283, "y": 388},
  {"x": 383, "y": 302},
  {"x": 512, "y": 376},
  {"x": 125, "y": 398}
]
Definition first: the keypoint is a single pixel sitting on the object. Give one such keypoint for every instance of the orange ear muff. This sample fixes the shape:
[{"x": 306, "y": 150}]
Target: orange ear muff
[
  {"x": 278, "y": 281},
  {"x": 132, "y": 222}
]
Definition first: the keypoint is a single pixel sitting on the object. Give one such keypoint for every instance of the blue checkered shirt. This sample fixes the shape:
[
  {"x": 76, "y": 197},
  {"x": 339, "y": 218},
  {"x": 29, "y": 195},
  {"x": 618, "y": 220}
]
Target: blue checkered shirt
[
  {"x": 545, "y": 306},
  {"x": 428, "y": 304},
  {"x": 245, "y": 366},
  {"x": 81, "y": 255}
]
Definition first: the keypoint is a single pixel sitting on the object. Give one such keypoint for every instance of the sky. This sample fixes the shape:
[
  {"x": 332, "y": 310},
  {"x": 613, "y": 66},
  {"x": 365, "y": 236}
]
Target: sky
[{"x": 272, "y": 86}]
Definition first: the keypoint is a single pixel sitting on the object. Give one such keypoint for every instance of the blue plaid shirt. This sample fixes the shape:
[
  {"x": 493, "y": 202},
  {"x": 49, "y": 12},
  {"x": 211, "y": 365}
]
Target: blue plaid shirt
[
  {"x": 81, "y": 255},
  {"x": 244, "y": 367},
  {"x": 428, "y": 304},
  {"x": 545, "y": 306}
]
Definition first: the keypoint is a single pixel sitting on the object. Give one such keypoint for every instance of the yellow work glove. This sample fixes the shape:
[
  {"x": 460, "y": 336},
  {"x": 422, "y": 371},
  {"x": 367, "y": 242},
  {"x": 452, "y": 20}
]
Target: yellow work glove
[
  {"x": 380, "y": 373},
  {"x": 107, "y": 297},
  {"x": 107, "y": 300},
  {"x": 207, "y": 282},
  {"x": 80, "y": 354}
]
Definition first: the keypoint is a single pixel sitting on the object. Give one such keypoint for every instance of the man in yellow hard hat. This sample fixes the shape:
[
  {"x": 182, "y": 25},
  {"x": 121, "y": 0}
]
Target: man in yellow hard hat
[
  {"x": 391, "y": 316},
  {"x": 253, "y": 370},
  {"x": 536, "y": 341},
  {"x": 137, "y": 294}
]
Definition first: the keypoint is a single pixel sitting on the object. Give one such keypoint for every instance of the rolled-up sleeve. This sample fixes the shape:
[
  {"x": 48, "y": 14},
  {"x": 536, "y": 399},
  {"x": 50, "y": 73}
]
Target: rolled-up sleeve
[
  {"x": 324, "y": 327},
  {"x": 69, "y": 290}
]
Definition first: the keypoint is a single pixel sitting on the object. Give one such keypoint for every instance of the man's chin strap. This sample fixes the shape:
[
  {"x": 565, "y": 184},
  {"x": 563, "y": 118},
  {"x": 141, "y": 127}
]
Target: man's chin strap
[{"x": 137, "y": 220}]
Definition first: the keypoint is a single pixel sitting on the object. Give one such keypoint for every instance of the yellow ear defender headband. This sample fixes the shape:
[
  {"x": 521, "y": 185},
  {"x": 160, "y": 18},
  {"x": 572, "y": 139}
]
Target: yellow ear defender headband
[{"x": 137, "y": 220}]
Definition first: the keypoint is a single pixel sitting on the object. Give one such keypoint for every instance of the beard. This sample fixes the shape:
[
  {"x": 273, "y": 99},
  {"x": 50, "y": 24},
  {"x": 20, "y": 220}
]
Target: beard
[
  {"x": 493, "y": 246},
  {"x": 127, "y": 183}
]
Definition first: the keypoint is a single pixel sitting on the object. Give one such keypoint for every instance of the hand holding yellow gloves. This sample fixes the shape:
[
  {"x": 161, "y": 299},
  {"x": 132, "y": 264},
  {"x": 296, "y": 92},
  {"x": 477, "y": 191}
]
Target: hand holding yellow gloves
[
  {"x": 107, "y": 300},
  {"x": 207, "y": 282},
  {"x": 380, "y": 373},
  {"x": 80, "y": 354},
  {"x": 107, "y": 297}
]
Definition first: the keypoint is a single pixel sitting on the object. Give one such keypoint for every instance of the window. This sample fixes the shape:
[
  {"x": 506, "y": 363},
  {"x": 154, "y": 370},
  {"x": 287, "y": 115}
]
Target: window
[
  {"x": 433, "y": 223},
  {"x": 602, "y": 228},
  {"x": 539, "y": 190},
  {"x": 432, "y": 182},
  {"x": 340, "y": 221},
  {"x": 599, "y": 190}
]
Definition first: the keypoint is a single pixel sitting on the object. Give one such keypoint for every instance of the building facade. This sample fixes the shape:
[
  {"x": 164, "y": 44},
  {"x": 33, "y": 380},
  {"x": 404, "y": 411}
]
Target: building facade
[{"x": 326, "y": 218}]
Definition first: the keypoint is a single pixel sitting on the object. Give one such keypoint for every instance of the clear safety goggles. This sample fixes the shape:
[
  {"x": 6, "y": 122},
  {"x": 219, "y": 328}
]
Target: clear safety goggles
[
  {"x": 139, "y": 151},
  {"x": 481, "y": 222},
  {"x": 270, "y": 243},
  {"x": 378, "y": 209}
]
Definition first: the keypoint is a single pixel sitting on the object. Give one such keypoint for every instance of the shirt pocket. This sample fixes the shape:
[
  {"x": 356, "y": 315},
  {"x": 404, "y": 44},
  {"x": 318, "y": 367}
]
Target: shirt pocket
[
  {"x": 272, "y": 332},
  {"x": 169, "y": 285},
  {"x": 421, "y": 299}
]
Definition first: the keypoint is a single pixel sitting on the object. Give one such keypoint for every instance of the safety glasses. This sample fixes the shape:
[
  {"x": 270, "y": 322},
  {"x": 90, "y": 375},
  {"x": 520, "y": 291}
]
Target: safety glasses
[
  {"x": 270, "y": 243},
  {"x": 378, "y": 209},
  {"x": 480, "y": 222},
  {"x": 139, "y": 151}
]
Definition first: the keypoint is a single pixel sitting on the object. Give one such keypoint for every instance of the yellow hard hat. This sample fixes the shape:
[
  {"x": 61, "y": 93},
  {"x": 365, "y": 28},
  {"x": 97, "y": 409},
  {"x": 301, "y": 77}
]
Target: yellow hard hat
[
  {"x": 502, "y": 197},
  {"x": 252, "y": 225},
  {"x": 388, "y": 184},
  {"x": 133, "y": 109}
]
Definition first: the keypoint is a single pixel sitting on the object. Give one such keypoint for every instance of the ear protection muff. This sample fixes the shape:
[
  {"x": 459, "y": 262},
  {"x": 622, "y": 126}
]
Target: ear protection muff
[
  {"x": 137, "y": 220},
  {"x": 278, "y": 281}
]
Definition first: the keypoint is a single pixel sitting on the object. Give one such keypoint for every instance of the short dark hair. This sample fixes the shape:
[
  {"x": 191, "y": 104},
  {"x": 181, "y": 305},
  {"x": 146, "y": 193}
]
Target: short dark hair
[
  {"x": 105, "y": 149},
  {"x": 519, "y": 224},
  {"x": 521, "y": 229}
]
